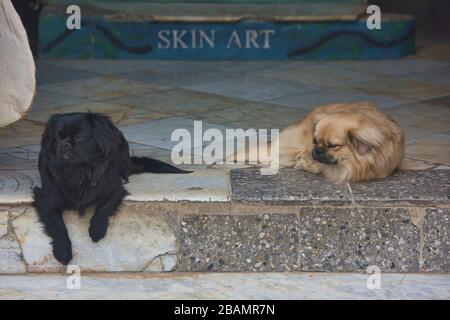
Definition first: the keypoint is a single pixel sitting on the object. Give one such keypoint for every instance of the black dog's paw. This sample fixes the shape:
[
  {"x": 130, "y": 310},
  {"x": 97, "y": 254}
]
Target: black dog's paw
[
  {"x": 97, "y": 229},
  {"x": 62, "y": 251}
]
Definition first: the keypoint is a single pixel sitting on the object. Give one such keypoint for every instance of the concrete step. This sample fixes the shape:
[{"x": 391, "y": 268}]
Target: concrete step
[
  {"x": 229, "y": 31},
  {"x": 225, "y": 286},
  {"x": 215, "y": 220}
]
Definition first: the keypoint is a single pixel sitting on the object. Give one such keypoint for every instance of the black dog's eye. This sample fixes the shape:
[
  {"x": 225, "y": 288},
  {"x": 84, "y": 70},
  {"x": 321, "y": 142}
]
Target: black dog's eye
[{"x": 78, "y": 137}]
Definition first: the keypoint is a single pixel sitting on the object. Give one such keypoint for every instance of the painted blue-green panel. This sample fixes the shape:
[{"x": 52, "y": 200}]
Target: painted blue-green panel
[
  {"x": 65, "y": 43},
  {"x": 333, "y": 40}
]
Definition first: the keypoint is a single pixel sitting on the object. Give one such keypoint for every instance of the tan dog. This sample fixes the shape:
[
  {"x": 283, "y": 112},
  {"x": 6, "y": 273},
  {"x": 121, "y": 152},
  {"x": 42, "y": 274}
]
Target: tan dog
[{"x": 344, "y": 142}]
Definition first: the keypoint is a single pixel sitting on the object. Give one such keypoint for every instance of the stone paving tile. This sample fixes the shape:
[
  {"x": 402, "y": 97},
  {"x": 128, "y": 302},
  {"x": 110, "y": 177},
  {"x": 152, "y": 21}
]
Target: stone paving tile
[
  {"x": 442, "y": 167},
  {"x": 289, "y": 186},
  {"x": 202, "y": 185},
  {"x": 158, "y": 133},
  {"x": 427, "y": 187},
  {"x": 439, "y": 51},
  {"x": 435, "y": 148},
  {"x": 176, "y": 101},
  {"x": 4, "y": 217},
  {"x": 292, "y": 186},
  {"x": 437, "y": 240},
  {"x": 246, "y": 66},
  {"x": 413, "y": 133},
  {"x": 8, "y": 161},
  {"x": 226, "y": 286},
  {"x": 388, "y": 67},
  {"x": 121, "y": 115},
  {"x": 50, "y": 100},
  {"x": 239, "y": 243},
  {"x": 317, "y": 75},
  {"x": 27, "y": 152},
  {"x": 280, "y": 122},
  {"x": 102, "y": 88},
  {"x": 16, "y": 185},
  {"x": 422, "y": 116},
  {"x": 252, "y": 115},
  {"x": 48, "y": 73},
  {"x": 174, "y": 71},
  {"x": 141, "y": 150},
  {"x": 10, "y": 256},
  {"x": 254, "y": 87},
  {"x": 414, "y": 164},
  {"x": 350, "y": 240},
  {"x": 178, "y": 74},
  {"x": 421, "y": 119},
  {"x": 441, "y": 101},
  {"x": 151, "y": 236},
  {"x": 133, "y": 116},
  {"x": 20, "y": 133},
  {"x": 439, "y": 76},
  {"x": 32, "y": 151},
  {"x": 309, "y": 101},
  {"x": 110, "y": 67},
  {"x": 403, "y": 88}
]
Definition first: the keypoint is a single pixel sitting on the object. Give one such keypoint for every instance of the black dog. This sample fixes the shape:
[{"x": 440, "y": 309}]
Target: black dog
[{"x": 84, "y": 160}]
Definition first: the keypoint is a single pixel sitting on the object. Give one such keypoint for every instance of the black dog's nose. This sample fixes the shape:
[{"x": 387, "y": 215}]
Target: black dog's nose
[{"x": 64, "y": 146}]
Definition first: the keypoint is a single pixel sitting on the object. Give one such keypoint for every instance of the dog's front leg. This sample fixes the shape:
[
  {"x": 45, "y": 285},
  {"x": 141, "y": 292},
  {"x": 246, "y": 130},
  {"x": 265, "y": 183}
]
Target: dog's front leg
[
  {"x": 106, "y": 207},
  {"x": 49, "y": 208},
  {"x": 307, "y": 164}
]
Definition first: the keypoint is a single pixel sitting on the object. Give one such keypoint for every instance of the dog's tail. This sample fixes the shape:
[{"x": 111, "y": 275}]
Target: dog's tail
[{"x": 141, "y": 165}]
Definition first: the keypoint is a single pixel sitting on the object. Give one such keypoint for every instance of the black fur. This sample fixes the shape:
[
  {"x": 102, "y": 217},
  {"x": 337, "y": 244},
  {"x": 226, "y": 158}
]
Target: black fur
[
  {"x": 140, "y": 165},
  {"x": 84, "y": 161}
]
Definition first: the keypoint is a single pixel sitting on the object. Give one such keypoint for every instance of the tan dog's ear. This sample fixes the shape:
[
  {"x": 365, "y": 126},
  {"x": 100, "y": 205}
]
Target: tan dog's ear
[{"x": 364, "y": 139}]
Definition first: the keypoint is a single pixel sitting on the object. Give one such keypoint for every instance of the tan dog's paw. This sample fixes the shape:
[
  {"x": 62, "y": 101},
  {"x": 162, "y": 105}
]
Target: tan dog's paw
[{"x": 308, "y": 165}]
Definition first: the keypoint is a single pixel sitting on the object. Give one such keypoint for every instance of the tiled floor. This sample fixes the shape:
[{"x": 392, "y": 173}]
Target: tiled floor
[{"x": 150, "y": 99}]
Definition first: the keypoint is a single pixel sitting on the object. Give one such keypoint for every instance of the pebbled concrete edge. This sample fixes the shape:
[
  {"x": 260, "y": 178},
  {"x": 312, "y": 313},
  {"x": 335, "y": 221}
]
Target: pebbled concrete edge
[{"x": 431, "y": 245}]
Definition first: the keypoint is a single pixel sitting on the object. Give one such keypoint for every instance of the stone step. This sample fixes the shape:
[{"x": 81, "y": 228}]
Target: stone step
[
  {"x": 225, "y": 286},
  {"x": 229, "y": 31},
  {"x": 214, "y": 221}
]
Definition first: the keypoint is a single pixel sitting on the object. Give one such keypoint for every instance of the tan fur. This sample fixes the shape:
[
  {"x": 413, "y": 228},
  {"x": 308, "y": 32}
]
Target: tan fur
[{"x": 370, "y": 143}]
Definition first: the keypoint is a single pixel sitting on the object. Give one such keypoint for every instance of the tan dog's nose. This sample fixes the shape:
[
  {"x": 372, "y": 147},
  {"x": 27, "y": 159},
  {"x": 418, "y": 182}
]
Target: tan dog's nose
[{"x": 318, "y": 152}]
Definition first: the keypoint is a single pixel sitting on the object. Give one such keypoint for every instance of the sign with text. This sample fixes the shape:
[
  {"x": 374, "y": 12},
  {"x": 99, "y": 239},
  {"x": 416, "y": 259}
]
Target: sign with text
[{"x": 102, "y": 38}]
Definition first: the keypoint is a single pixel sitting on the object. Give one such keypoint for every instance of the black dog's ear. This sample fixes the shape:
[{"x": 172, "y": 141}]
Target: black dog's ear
[
  {"x": 364, "y": 139},
  {"x": 48, "y": 137},
  {"x": 112, "y": 143},
  {"x": 105, "y": 134}
]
